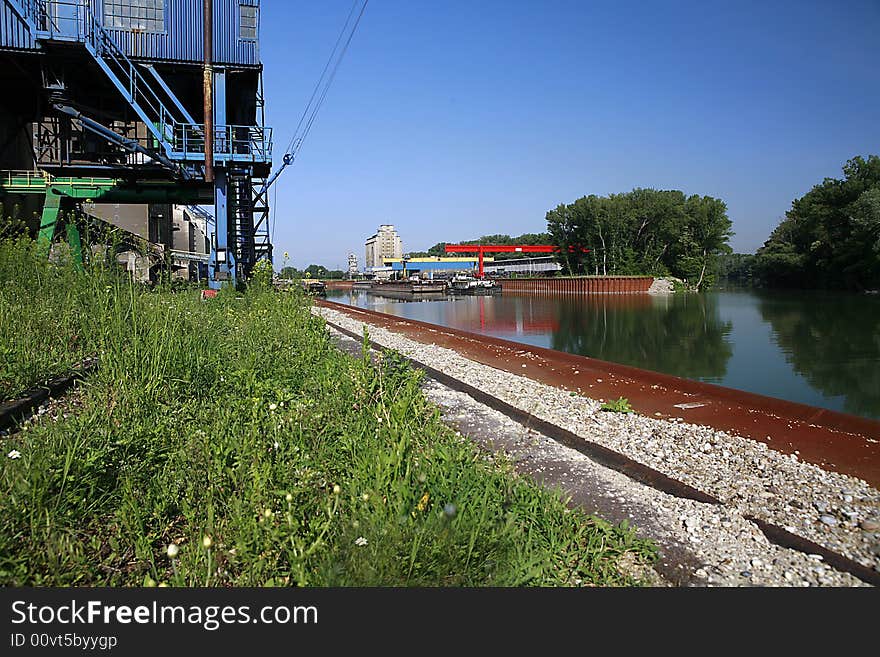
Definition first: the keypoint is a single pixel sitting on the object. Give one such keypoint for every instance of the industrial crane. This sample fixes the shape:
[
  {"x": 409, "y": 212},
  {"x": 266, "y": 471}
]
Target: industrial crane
[{"x": 482, "y": 249}]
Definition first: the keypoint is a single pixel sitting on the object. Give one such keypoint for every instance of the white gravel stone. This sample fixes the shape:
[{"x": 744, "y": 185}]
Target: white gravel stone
[{"x": 750, "y": 478}]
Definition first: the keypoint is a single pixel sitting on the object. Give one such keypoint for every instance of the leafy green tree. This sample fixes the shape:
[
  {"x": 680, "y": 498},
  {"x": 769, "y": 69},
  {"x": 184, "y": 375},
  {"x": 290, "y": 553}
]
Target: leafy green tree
[
  {"x": 642, "y": 232},
  {"x": 830, "y": 238},
  {"x": 316, "y": 271},
  {"x": 736, "y": 268}
]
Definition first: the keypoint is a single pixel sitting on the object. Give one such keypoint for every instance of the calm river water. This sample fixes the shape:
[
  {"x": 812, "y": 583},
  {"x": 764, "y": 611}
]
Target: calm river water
[{"x": 815, "y": 348}]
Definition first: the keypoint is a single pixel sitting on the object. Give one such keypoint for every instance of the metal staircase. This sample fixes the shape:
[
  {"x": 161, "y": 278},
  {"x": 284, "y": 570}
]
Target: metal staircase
[
  {"x": 150, "y": 126},
  {"x": 175, "y": 136}
]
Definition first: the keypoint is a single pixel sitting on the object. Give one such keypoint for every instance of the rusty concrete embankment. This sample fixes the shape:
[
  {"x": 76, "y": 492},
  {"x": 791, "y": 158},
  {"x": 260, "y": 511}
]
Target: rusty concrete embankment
[{"x": 840, "y": 442}]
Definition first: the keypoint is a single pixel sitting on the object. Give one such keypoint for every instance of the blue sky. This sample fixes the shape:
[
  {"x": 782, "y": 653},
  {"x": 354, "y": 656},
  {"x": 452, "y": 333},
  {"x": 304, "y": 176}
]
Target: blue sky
[{"x": 454, "y": 119}]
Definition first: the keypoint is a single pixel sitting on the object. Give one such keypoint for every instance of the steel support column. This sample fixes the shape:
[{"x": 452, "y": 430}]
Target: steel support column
[
  {"x": 73, "y": 240},
  {"x": 223, "y": 263},
  {"x": 222, "y": 255},
  {"x": 49, "y": 220}
]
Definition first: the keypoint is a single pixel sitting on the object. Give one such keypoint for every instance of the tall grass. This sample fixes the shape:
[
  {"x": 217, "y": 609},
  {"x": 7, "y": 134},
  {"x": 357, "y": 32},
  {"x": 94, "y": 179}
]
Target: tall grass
[{"x": 234, "y": 430}]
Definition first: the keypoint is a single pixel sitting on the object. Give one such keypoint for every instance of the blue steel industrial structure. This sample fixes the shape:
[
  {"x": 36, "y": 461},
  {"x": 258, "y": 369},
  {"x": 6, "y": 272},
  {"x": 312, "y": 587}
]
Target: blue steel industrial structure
[{"x": 141, "y": 95}]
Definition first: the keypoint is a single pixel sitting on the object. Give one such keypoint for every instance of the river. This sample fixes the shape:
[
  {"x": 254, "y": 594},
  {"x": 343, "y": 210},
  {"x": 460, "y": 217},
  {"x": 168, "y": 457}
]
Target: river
[{"x": 817, "y": 348}]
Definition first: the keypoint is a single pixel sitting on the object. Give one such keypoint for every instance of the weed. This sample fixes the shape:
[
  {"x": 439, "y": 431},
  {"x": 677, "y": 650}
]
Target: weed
[{"x": 619, "y": 405}]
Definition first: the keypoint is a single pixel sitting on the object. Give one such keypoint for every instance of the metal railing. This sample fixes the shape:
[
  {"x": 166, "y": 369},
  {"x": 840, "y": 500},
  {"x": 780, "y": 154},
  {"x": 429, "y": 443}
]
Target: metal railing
[
  {"x": 237, "y": 143},
  {"x": 39, "y": 180},
  {"x": 33, "y": 12},
  {"x": 28, "y": 179},
  {"x": 73, "y": 20}
]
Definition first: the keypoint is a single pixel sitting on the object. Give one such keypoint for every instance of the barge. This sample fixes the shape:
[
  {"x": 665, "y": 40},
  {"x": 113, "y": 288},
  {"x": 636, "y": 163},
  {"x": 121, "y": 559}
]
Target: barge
[
  {"x": 469, "y": 285},
  {"x": 409, "y": 289}
]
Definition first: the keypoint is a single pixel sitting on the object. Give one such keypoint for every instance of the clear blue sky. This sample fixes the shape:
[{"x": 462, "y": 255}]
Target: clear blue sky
[{"x": 455, "y": 119}]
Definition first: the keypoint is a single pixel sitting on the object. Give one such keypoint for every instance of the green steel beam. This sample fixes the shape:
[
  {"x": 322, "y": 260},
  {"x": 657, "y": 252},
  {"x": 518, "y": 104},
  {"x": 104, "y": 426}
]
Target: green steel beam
[
  {"x": 49, "y": 221},
  {"x": 107, "y": 190},
  {"x": 75, "y": 245}
]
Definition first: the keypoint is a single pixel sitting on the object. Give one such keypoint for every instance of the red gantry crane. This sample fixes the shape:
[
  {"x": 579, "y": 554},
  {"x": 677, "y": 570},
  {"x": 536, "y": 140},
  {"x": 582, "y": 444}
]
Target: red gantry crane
[{"x": 482, "y": 249}]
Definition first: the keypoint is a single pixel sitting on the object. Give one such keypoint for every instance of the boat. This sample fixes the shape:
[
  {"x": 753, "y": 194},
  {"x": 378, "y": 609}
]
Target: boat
[
  {"x": 410, "y": 289},
  {"x": 313, "y": 287},
  {"x": 464, "y": 284}
]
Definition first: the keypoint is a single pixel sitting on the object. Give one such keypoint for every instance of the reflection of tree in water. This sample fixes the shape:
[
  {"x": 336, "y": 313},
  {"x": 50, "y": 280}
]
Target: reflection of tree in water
[
  {"x": 833, "y": 341},
  {"x": 681, "y": 335}
]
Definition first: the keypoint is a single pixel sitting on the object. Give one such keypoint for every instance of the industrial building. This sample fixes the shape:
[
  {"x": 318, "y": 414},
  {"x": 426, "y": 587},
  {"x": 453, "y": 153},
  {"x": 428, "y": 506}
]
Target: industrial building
[
  {"x": 145, "y": 115},
  {"x": 539, "y": 266},
  {"x": 385, "y": 243}
]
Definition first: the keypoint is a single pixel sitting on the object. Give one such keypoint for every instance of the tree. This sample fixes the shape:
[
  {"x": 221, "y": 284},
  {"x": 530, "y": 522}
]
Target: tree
[
  {"x": 642, "y": 232},
  {"x": 317, "y": 271},
  {"x": 830, "y": 238},
  {"x": 709, "y": 229}
]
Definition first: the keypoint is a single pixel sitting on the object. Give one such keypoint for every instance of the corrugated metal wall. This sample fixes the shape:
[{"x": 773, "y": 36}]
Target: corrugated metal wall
[{"x": 182, "y": 40}]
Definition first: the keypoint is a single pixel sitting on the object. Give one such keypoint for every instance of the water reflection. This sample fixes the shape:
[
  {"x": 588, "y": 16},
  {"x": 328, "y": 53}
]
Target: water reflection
[
  {"x": 817, "y": 349},
  {"x": 832, "y": 340},
  {"x": 682, "y": 335}
]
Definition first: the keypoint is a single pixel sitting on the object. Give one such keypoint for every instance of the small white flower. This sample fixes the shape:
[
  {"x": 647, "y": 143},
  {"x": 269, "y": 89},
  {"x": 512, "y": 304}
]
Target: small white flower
[
  {"x": 14, "y": 454},
  {"x": 273, "y": 406},
  {"x": 360, "y": 541},
  {"x": 365, "y": 497},
  {"x": 288, "y": 497},
  {"x": 336, "y": 489},
  {"x": 172, "y": 550},
  {"x": 207, "y": 542},
  {"x": 276, "y": 445}
]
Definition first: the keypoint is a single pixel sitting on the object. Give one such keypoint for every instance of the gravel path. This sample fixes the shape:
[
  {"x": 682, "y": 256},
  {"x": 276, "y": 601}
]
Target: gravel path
[{"x": 836, "y": 511}]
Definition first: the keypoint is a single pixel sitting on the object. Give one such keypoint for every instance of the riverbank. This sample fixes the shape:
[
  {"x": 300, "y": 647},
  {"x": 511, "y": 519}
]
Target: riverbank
[
  {"x": 227, "y": 442},
  {"x": 752, "y": 480}
]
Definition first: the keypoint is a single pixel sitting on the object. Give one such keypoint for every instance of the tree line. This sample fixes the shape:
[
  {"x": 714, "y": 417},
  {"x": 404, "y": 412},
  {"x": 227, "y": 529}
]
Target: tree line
[
  {"x": 642, "y": 232},
  {"x": 312, "y": 271},
  {"x": 830, "y": 238}
]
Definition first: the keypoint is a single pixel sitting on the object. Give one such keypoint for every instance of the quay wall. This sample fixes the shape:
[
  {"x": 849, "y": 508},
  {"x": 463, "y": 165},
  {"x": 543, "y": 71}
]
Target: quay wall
[{"x": 577, "y": 285}]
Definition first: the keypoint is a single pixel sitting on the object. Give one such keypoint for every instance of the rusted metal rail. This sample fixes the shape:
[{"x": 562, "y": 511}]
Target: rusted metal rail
[{"x": 16, "y": 411}]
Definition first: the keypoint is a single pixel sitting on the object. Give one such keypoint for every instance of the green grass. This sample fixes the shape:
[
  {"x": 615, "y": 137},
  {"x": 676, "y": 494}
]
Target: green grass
[{"x": 238, "y": 420}]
